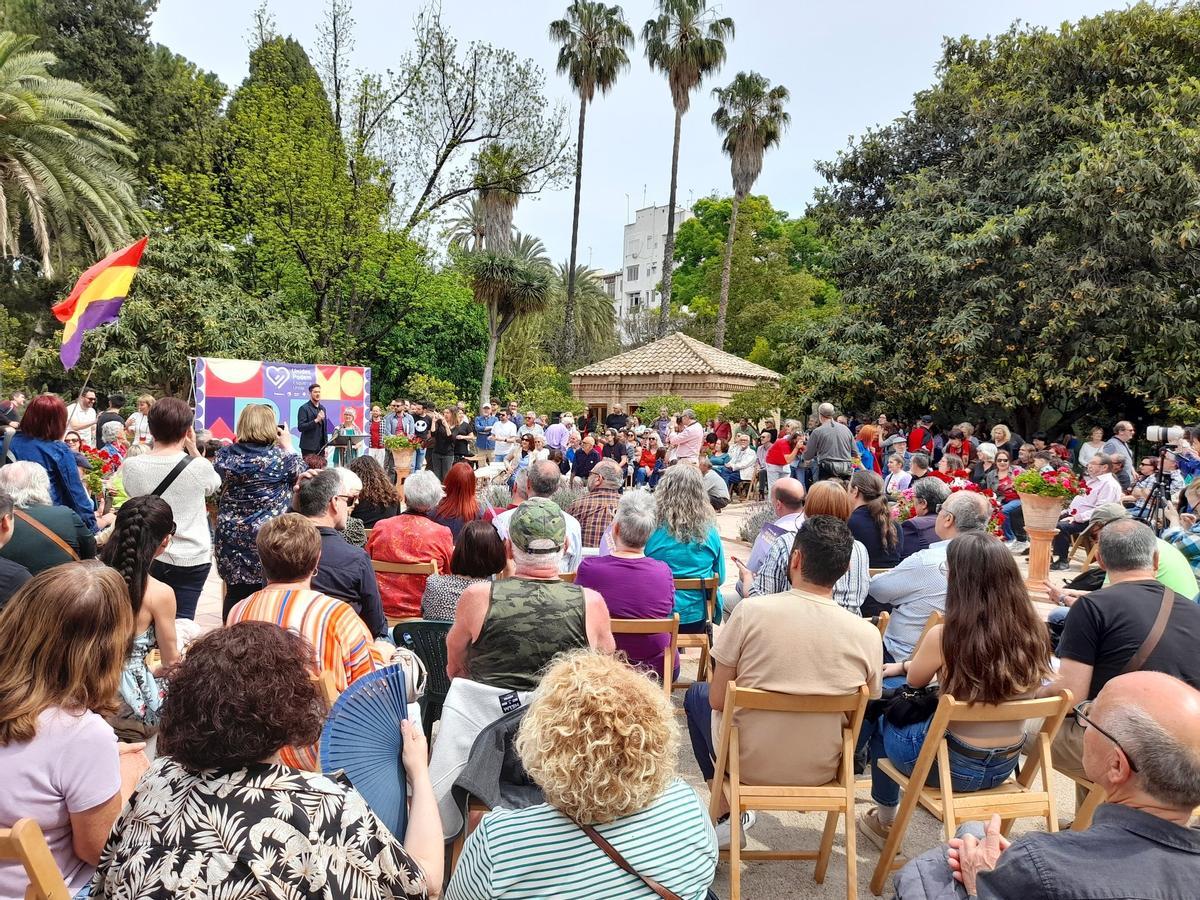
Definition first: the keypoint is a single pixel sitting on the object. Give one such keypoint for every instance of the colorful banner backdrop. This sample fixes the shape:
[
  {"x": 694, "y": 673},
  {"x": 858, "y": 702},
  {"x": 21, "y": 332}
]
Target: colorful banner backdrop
[{"x": 224, "y": 387}]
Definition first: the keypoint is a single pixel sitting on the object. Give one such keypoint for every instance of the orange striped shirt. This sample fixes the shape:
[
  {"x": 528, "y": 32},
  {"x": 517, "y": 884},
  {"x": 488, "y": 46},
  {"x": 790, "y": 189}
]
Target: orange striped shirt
[{"x": 342, "y": 642}]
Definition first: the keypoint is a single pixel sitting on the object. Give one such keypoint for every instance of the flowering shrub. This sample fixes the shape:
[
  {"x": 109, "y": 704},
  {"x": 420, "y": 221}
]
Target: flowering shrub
[
  {"x": 103, "y": 466},
  {"x": 960, "y": 480},
  {"x": 401, "y": 442},
  {"x": 904, "y": 508},
  {"x": 1060, "y": 483}
]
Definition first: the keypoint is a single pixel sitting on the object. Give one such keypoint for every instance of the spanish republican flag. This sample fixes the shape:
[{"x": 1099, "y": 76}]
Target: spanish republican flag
[{"x": 96, "y": 299}]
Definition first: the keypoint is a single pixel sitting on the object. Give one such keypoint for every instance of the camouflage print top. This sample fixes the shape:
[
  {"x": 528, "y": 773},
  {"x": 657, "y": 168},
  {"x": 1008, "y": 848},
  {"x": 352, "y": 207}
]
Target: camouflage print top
[{"x": 528, "y": 622}]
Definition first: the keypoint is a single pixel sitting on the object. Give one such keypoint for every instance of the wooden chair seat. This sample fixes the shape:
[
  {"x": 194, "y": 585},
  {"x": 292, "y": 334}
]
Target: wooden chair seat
[
  {"x": 26, "y": 844},
  {"x": 655, "y": 626}
]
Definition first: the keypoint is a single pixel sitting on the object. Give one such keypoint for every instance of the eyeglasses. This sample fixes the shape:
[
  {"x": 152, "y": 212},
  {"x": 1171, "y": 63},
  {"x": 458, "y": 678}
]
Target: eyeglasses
[
  {"x": 1081, "y": 714},
  {"x": 1001, "y": 459},
  {"x": 350, "y": 500},
  {"x": 72, "y": 440},
  {"x": 1146, "y": 462}
]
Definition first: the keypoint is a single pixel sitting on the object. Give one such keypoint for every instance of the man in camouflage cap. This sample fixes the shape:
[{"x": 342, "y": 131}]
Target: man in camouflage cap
[{"x": 505, "y": 632}]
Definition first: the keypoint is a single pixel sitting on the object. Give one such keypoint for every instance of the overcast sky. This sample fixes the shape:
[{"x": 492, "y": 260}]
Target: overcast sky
[{"x": 848, "y": 65}]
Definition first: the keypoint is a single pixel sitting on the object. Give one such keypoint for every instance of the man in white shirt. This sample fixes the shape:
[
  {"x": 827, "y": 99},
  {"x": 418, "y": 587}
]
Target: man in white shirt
[
  {"x": 543, "y": 480},
  {"x": 714, "y": 484},
  {"x": 1102, "y": 488},
  {"x": 81, "y": 417},
  {"x": 504, "y": 433},
  {"x": 687, "y": 440},
  {"x": 742, "y": 460},
  {"x": 917, "y": 586}
]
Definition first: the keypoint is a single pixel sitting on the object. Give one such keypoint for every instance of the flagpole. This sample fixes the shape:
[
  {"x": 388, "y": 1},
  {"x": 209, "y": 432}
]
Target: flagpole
[{"x": 91, "y": 368}]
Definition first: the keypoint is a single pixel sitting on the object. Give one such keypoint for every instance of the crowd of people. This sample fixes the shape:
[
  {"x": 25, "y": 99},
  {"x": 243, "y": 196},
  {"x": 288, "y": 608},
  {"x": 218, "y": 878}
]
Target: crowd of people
[{"x": 131, "y": 735}]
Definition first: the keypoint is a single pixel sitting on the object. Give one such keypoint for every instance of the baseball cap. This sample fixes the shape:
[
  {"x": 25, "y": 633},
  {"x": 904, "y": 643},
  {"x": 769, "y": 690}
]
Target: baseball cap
[
  {"x": 538, "y": 526},
  {"x": 1108, "y": 513}
]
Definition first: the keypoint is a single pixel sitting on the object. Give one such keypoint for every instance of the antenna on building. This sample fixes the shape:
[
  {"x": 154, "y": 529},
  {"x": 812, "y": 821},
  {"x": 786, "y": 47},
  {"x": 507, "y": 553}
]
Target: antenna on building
[
  {"x": 626, "y": 207},
  {"x": 691, "y": 202},
  {"x": 643, "y": 196},
  {"x": 589, "y": 256}
]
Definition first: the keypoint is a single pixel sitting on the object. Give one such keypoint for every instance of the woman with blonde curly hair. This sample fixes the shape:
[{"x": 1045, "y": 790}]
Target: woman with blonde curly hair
[
  {"x": 687, "y": 540},
  {"x": 601, "y": 742}
]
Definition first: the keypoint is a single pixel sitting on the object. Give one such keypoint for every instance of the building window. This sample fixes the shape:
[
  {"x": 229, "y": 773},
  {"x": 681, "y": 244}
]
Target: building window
[
  {"x": 635, "y": 300},
  {"x": 631, "y": 273}
]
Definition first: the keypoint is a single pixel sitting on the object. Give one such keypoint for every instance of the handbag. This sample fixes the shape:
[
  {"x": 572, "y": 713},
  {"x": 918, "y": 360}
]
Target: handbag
[
  {"x": 910, "y": 705},
  {"x": 415, "y": 674}
]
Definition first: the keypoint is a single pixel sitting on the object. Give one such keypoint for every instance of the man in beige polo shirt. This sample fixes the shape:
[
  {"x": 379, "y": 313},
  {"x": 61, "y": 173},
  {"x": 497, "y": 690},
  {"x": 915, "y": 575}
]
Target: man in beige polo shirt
[{"x": 796, "y": 642}]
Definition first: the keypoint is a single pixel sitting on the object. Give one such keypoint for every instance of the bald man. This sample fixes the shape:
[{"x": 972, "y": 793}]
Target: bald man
[
  {"x": 787, "y": 500},
  {"x": 1142, "y": 745}
]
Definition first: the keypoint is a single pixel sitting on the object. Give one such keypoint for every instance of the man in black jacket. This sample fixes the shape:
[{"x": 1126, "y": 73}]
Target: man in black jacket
[{"x": 312, "y": 422}]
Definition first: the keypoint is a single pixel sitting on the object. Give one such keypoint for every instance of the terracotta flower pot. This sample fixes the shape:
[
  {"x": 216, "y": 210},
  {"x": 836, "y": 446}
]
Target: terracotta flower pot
[
  {"x": 403, "y": 458},
  {"x": 1041, "y": 513}
]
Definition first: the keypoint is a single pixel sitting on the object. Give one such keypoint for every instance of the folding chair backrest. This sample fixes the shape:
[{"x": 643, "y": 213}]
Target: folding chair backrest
[
  {"x": 568, "y": 577},
  {"x": 709, "y": 585},
  {"x": 327, "y": 686},
  {"x": 427, "y": 639},
  {"x": 655, "y": 626},
  {"x": 26, "y": 844},
  {"x": 881, "y": 622},
  {"x": 935, "y": 618},
  {"x": 394, "y": 568}
]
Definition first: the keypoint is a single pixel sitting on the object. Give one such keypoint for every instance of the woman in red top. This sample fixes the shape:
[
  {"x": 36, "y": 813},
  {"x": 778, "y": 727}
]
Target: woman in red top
[{"x": 779, "y": 458}]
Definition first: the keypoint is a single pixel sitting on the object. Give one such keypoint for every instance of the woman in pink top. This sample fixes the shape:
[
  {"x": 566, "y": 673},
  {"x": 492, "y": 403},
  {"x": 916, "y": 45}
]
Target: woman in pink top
[{"x": 65, "y": 636}]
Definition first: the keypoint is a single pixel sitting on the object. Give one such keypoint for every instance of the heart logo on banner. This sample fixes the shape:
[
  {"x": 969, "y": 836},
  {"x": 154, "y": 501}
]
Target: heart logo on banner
[{"x": 278, "y": 376}]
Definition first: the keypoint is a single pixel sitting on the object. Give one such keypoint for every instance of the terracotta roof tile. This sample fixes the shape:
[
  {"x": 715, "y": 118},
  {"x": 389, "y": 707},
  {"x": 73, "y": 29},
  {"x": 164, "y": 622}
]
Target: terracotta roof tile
[{"x": 678, "y": 354}]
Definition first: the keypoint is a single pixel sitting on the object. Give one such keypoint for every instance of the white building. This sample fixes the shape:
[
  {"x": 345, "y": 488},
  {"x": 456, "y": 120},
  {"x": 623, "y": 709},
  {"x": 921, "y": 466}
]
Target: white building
[{"x": 642, "y": 270}]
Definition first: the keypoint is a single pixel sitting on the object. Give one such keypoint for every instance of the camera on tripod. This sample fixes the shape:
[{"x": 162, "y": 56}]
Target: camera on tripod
[{"x": 1157, "y": 434}]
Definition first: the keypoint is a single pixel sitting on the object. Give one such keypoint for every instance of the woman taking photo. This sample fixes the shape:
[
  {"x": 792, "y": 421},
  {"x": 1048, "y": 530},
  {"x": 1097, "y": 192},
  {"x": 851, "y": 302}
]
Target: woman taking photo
[
  {"x": 219, "y": 801},
  {"x": 377, "y": 500},
  {"x": 65, "y": 636},
  {"x": 459, "y": 505},
  {"x": 871, "y": 521},
  {"x": 602, "y": 743},
  {"x": 142, "y": 532},
  {"x": 258, "y": 474},
  {"x": 1001, "y": 652}
]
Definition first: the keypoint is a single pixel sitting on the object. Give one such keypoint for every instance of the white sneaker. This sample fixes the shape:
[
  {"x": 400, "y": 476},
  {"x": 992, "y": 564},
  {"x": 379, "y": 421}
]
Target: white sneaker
[
  {"x": 722, "y": 829},
  {"x": 1018, "y": 546}
]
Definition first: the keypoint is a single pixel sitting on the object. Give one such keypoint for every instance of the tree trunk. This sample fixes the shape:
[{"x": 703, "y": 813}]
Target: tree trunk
[
  {"x": 668, "y": 269},
  {"x": 726, "y": 269},
  {"x": 568, "y": 343},
  {"x": 489, "y": 362}
]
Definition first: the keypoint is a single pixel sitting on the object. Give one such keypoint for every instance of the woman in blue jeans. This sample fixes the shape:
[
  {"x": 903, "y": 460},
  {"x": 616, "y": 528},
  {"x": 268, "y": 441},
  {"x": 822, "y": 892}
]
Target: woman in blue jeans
[{"x": 992, "y": 648}]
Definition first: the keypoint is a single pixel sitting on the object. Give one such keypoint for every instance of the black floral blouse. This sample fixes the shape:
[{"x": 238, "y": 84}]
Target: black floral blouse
[{"x": 265, "y": 831}]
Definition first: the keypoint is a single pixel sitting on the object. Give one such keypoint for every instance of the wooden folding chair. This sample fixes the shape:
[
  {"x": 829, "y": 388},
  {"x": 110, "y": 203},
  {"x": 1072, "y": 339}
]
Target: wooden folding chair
[
  {"x": 881, "y": 622},
  {"x": 328, "y": 687},
  {"x": 699, "y": 640},
  {"x": 26, "y": 844},
  {"x": 1012, "y": 799},
  {"x": 393, "y": 568},
  {"x": 1095, "y": 796},
  {"x": 1083, "y": 541},
  {"x": 568, "y": 577},
  {"x": 655, "y": 626},
  {"x": 935, "y": 618},
  {"x": 835, "y": 798}
]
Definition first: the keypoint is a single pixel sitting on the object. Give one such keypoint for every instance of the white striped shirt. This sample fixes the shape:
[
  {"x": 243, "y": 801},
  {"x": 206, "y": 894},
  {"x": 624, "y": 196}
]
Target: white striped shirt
[
  {"x": 914, "y": 589},
  {"x": 849, "y": 592},
  {"x": 538, "y": 852}
]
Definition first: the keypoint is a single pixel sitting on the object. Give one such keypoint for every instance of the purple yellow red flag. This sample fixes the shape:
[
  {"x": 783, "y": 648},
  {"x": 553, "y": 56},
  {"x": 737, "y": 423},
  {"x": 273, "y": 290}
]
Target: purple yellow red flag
[{"x": 96, "y": 299}]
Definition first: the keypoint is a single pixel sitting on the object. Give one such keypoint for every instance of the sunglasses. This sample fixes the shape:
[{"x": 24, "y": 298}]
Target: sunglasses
[
  {"x": 72, "y": 440},
  {"x": 1081, "y": 714}
]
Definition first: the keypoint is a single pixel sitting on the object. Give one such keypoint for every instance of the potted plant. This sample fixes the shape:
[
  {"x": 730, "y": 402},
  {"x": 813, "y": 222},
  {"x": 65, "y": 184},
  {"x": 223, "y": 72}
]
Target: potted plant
[
  {"x": 402, "y": 448},
  {"x": 1044, "y": 494}
]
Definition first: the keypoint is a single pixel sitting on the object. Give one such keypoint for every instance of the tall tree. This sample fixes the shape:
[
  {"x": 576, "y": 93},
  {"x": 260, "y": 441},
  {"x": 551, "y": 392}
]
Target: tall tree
[
  {"x": 64, "y": 161},
  {"x": 685, "y": 42},
  {"x": 750, "y": 112},
  {"x": 593, "y": 39}
]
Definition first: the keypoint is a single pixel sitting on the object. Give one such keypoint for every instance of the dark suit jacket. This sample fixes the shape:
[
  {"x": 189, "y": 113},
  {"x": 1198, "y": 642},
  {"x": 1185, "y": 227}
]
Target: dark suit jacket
[{"x": 312, "y": 432}]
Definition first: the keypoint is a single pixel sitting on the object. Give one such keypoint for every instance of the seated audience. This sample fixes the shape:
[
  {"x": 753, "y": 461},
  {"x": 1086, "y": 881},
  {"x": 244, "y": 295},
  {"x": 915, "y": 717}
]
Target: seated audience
[
  {"x": 758, "y": 647},
  {"x": 826, "y": 498},
  {"x": 458, "y": 505},
  {"x": 112, "y": 439},
  {"x": 742, "y": 461},
  {"x": 506, "y": 632},
  {"x": 354, "y": 532},
  {"x": 871, "y": 521},
  {"x": 542, "y": 482},
  {"x": 12, "y": 575},
  {"x": 992, "y": 648},
  {"x": 257, "y": 476},
  {"x": 602, "y": 744},
  {"x": 633, "y": 586},
  {"x": 985, "y": 474},
  {"x": 1182, "y": 532},
  {"x": 39, "y": 440},
  {"x": 142, "y": 532},
  {"x": 687, "y": 540},
  {"x": 917, "y": 587},
  {"x": 1140, "y": 736},
  {"x": 411, "y": 537},
  {"x": 175, "y": 471},
  {"x": 44, "y": 535},
  {"x": 344, "y": 571},
  {"x": 714, "y": 485},
  {"x": 479, "y": 556},
  {"x": 951, "y": 462},
  {"x": 918, "y": 532},
  {"x": 787, "y": 503},
  {"x": 290, "y": 549},
  {"x": 586, "y": 458},
  {"x": 378, "y": 499},
  {"x": 896, "y": 479},
  {"x": 1106, "y": 628},
  {"x": 595, "y": 509},
  {"x": 65, "y": 636},
  {"x": 1102, "y": 488},
  {"x": 221, "y": 802}
]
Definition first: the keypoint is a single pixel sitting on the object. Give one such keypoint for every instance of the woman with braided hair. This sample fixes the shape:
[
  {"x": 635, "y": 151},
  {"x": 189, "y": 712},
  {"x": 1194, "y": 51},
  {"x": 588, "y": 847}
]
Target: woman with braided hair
[{"x": 142, "y": 531}]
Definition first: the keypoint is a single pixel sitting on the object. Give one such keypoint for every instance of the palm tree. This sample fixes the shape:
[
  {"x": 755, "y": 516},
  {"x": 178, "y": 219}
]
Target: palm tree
[
  {"x": 593, "y": 39},
  {"x": 501, "y": 180},
  {"x": 63, "y": 173},
  {"x": 686, "y": 42},
  {"x": 596, "y": 319},
  {"x": 530, "y": 248},
  {"x": 750, "y": 113},
  {"x": 466, "y": 229}
]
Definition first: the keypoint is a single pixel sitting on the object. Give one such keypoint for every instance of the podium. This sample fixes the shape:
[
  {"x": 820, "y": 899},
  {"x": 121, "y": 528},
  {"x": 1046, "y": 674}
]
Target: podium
[{"x": 345, "y": 447}]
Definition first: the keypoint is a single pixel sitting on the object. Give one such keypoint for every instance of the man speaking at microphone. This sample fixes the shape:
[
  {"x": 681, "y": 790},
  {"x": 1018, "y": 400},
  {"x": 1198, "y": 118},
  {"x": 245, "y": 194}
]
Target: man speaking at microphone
[{"x": 312, "y": 422}]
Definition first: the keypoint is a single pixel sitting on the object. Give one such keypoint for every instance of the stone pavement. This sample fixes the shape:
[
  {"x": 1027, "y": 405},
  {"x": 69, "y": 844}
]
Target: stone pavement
[{"x": 775, "y": 831}]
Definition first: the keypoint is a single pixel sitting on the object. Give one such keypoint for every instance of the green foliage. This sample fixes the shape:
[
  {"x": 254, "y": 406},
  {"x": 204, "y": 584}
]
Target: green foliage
[
  {"x": 428, "y": 389},
  {"x": 706, "y": 411},
  {"x": 1024, "y": 242},
  {"x": 756, "y": 403},
  {"x": 760, "y": 515},
  {"x": 547, "y": 390},
  {"x": 777, "y": 281},
  {"x": 648, "y": 408}
]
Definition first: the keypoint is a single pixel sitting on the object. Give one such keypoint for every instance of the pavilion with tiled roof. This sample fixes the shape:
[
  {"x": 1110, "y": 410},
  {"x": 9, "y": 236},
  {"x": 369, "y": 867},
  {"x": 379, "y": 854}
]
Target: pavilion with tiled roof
[{"x": 676, "y": 364}]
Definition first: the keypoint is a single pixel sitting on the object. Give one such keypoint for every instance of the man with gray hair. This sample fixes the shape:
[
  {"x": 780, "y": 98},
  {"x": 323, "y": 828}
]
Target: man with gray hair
[
  {"x": 411, "y": 537},
  {"x": 687, "y": 437},
  {"x": 830, "y": 447},
  {"x": 543, "y": 481},
  {"x": 1140, "y": 738},
  {"x": 916, "y": 587},
  {"x": 1102, "y": 488},
  {"x": 596, "y": 508},
  {"x": 714, "y": 485},
  {"x": 1134, "y": 623}
]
